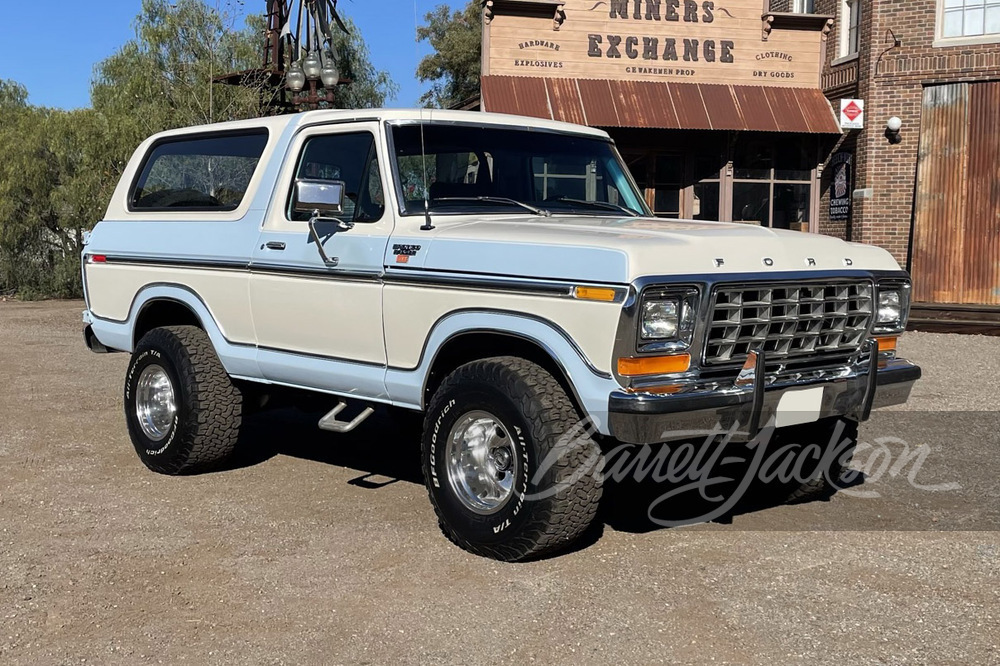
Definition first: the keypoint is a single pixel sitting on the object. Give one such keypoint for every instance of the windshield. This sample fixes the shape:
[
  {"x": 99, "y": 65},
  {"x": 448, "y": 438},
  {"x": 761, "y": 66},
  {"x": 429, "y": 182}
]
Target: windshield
[{"x": 472, "y": 169}]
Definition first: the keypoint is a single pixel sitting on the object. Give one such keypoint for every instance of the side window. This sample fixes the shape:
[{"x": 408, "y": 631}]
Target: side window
[
  {"x": 350, "y": 158},
  {"x": 203, "y": 173}
]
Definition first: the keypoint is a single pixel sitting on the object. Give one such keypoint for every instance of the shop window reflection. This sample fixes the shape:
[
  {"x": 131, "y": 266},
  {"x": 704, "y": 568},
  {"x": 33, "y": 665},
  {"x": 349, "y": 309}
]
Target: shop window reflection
[{"x": 772, "y": 181}]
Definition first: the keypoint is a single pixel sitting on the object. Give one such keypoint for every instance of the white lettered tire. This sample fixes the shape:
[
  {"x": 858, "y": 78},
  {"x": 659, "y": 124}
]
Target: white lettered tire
[
  {"x": 511, "y": 470},
  {"x": 182, "y": 409}
]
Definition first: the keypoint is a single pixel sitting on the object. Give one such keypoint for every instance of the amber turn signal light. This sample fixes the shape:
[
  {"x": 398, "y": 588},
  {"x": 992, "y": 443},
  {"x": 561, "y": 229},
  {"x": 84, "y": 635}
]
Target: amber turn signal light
[
  {"x": 654, "y": 365},
  {"x": 594, "y": 294},
  {"x": 886, "y": 344}
]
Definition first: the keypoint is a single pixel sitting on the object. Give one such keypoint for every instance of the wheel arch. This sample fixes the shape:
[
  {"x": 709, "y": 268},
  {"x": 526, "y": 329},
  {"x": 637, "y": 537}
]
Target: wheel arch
[
  {"x": 470, "y": 345},
  {"x": 465, "y": 335},
  {"x": 163, "y": 311}
]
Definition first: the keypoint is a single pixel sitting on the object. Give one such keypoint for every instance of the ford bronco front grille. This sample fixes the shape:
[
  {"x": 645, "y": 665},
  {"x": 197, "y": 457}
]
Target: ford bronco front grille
[{"x": 787, "y": 320}]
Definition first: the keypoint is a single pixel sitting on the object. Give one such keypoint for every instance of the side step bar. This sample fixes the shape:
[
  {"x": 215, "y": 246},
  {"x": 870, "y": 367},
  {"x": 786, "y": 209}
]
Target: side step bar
[{"x": 330, "y": 422}]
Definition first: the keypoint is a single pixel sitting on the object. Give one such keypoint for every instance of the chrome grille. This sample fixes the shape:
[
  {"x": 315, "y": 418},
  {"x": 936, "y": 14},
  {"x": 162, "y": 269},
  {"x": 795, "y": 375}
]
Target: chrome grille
[{"x": 787, "y": 320}]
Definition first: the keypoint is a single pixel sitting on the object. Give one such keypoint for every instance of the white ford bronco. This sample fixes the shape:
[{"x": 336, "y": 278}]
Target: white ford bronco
[{"x": 503, "y": 276}]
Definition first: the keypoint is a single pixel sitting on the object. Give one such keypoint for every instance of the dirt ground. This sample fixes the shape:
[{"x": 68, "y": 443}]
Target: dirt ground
[{"x": 318, "y": 548}]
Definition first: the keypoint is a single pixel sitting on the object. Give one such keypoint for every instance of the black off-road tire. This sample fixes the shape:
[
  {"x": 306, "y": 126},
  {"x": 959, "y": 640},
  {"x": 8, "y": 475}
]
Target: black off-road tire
[
  {"x": 547, "y": 511},
  {"x": 829, "y": 475},
  {"x": 209, "y": 405}
]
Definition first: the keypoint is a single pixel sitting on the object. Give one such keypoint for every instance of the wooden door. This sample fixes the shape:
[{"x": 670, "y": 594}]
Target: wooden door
[{"x": 956, "y": 234}]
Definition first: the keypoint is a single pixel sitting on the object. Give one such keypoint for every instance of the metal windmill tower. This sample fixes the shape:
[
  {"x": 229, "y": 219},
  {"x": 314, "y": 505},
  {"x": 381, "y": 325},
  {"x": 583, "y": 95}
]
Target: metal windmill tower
[{"x": 300, "y": 68}]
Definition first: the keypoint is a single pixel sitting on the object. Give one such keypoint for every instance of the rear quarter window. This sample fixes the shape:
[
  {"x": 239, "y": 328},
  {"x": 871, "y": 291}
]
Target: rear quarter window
[{"x": 202, "y": 173}]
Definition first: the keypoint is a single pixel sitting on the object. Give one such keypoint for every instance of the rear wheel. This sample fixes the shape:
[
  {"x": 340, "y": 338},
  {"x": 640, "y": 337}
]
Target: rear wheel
[
  {"x": 510, "y": 469},
  {"x": 182, "y": 409}
]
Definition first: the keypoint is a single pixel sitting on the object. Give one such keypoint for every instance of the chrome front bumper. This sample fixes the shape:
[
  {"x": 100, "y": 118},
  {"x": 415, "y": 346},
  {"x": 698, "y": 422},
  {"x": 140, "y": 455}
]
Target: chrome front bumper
[{"x": 849, "y": 391}]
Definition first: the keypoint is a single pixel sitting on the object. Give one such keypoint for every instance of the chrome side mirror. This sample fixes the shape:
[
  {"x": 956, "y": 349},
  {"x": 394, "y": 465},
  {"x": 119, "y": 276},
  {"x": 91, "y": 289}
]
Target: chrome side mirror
[{"x": 319, "y": 197}]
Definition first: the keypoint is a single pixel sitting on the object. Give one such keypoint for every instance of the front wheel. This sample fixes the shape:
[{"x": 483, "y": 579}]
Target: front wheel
[
  {"x": 182, "y": 409},
  {"x": 511, "y": 470}
]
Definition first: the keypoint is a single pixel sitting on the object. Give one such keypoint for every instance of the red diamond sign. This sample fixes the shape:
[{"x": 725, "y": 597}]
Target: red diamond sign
[{"x": 852, "y": 114}]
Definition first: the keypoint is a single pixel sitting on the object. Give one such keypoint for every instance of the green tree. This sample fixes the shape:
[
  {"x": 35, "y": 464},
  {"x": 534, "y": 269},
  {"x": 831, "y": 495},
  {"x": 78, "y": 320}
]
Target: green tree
[
  {"x": 53, "y": 173},
  {"x": 12, "y": 96},
  {"x": 453, "y": 68}
]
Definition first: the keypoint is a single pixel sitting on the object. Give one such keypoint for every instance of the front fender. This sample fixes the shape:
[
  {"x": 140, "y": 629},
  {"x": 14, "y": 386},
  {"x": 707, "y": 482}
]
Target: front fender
[{"x": 590, "y": 386}]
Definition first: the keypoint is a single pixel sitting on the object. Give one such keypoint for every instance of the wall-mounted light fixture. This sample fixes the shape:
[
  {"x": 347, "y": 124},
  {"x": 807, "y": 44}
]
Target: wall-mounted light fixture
[{"x": 892, "y": 128}]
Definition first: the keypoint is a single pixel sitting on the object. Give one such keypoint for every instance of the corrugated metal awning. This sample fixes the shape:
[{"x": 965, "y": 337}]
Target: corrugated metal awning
[{"x": 603, "y": 103}]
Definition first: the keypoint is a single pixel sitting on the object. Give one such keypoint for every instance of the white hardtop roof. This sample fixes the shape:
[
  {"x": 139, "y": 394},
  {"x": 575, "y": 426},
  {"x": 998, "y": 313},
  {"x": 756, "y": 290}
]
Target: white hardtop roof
[{"x": 278, "y": 123}]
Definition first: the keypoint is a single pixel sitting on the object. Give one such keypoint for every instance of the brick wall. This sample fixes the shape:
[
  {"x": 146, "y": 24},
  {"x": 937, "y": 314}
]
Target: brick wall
[
  {"x": 839, "y": 81},
  {"x": 891, "y": 81}
]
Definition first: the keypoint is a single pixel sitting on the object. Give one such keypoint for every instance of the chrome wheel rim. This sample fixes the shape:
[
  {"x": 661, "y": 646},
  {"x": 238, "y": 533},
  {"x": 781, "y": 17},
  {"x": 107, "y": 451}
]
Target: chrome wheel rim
[
  {"x": 155, "y": 404},
  {"x": 482, "y": 463}
]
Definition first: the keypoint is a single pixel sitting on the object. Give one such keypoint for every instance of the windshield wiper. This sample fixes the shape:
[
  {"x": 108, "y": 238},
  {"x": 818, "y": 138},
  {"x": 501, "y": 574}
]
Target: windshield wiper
[
  {"x": 604, "y": 205},
  {"x": 500, "y": 200}
]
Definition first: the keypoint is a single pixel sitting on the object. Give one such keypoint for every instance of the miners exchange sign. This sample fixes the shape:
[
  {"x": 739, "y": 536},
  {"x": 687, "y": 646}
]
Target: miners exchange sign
[{"x": 700, "y": 41}]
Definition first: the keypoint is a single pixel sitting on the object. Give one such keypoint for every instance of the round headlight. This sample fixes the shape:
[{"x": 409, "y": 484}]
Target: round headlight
[
  {"x": 660, "y": 320},
  {"x": 890, "y": 308}
]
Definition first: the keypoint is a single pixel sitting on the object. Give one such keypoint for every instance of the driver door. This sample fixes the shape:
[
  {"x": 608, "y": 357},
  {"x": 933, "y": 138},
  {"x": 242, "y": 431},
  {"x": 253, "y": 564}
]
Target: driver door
[{"x": 317, "y": 324}]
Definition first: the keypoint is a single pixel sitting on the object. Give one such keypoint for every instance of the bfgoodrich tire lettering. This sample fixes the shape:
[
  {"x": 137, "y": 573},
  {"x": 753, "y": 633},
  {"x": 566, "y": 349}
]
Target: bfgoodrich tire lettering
[
  {"x": 206, "y": 423},
  {"x": 557, "y": 485}
]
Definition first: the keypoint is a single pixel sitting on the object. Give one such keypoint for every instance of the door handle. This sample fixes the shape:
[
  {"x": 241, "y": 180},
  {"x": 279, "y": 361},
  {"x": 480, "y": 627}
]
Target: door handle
[{"x": 274, "y": 245}]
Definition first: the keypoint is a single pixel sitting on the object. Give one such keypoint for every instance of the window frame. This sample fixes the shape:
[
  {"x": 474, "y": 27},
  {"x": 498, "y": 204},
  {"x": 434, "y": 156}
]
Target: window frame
[
  {"x": 373, "y": 153},
  {"x": 197, "y": 136},
  {"x": 846, "y": 24},
  {"x": 773, "y": 181},
  {"x": 397, "y": 180},
  {"x": 940, "y": 40}
]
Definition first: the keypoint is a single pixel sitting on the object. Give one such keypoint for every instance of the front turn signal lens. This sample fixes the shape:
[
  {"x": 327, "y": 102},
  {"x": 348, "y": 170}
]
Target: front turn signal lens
[
  {"x": 654, "y": 365},
  {"x": 886, "y": 344},
  {"x": 604, "y": 294}
]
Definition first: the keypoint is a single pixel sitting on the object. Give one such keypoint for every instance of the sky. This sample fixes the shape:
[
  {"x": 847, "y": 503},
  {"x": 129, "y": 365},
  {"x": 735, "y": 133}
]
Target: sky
[{"x": 52, "y": 47}]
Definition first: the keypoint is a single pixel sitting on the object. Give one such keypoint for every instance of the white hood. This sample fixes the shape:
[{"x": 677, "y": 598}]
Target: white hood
[{"x": 599, "y": 249}]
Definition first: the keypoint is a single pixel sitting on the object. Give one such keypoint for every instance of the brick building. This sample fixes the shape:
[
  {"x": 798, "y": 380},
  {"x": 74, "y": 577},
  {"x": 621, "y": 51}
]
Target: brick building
[
  {"x": 933, "y": 198},
  {"x": 722, "y": 110}
]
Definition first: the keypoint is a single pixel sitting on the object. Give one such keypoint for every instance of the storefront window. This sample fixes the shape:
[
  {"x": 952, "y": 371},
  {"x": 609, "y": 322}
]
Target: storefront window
[
  {"x": 706, "y": 201},
  {"x": 561, "y": 178},
  {"x": 669, "y": 174},
  {"x": 752, "y": 203},
  {"x": 707, "y": 187},
  {"x": 791, "y": 206},
  {"x": 772, "y": 182},
  {"x": 769, "y": 181},
  {"x": 661, "y": 177}
]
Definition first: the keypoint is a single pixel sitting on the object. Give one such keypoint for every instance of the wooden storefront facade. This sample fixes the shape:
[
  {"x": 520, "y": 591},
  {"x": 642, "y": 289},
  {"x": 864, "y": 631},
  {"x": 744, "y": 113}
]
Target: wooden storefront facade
[{"x": 716, "y": 107}]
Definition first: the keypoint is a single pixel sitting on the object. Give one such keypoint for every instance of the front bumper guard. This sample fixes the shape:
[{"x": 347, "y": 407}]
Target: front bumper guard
[{"x": 752, "y": 402}]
